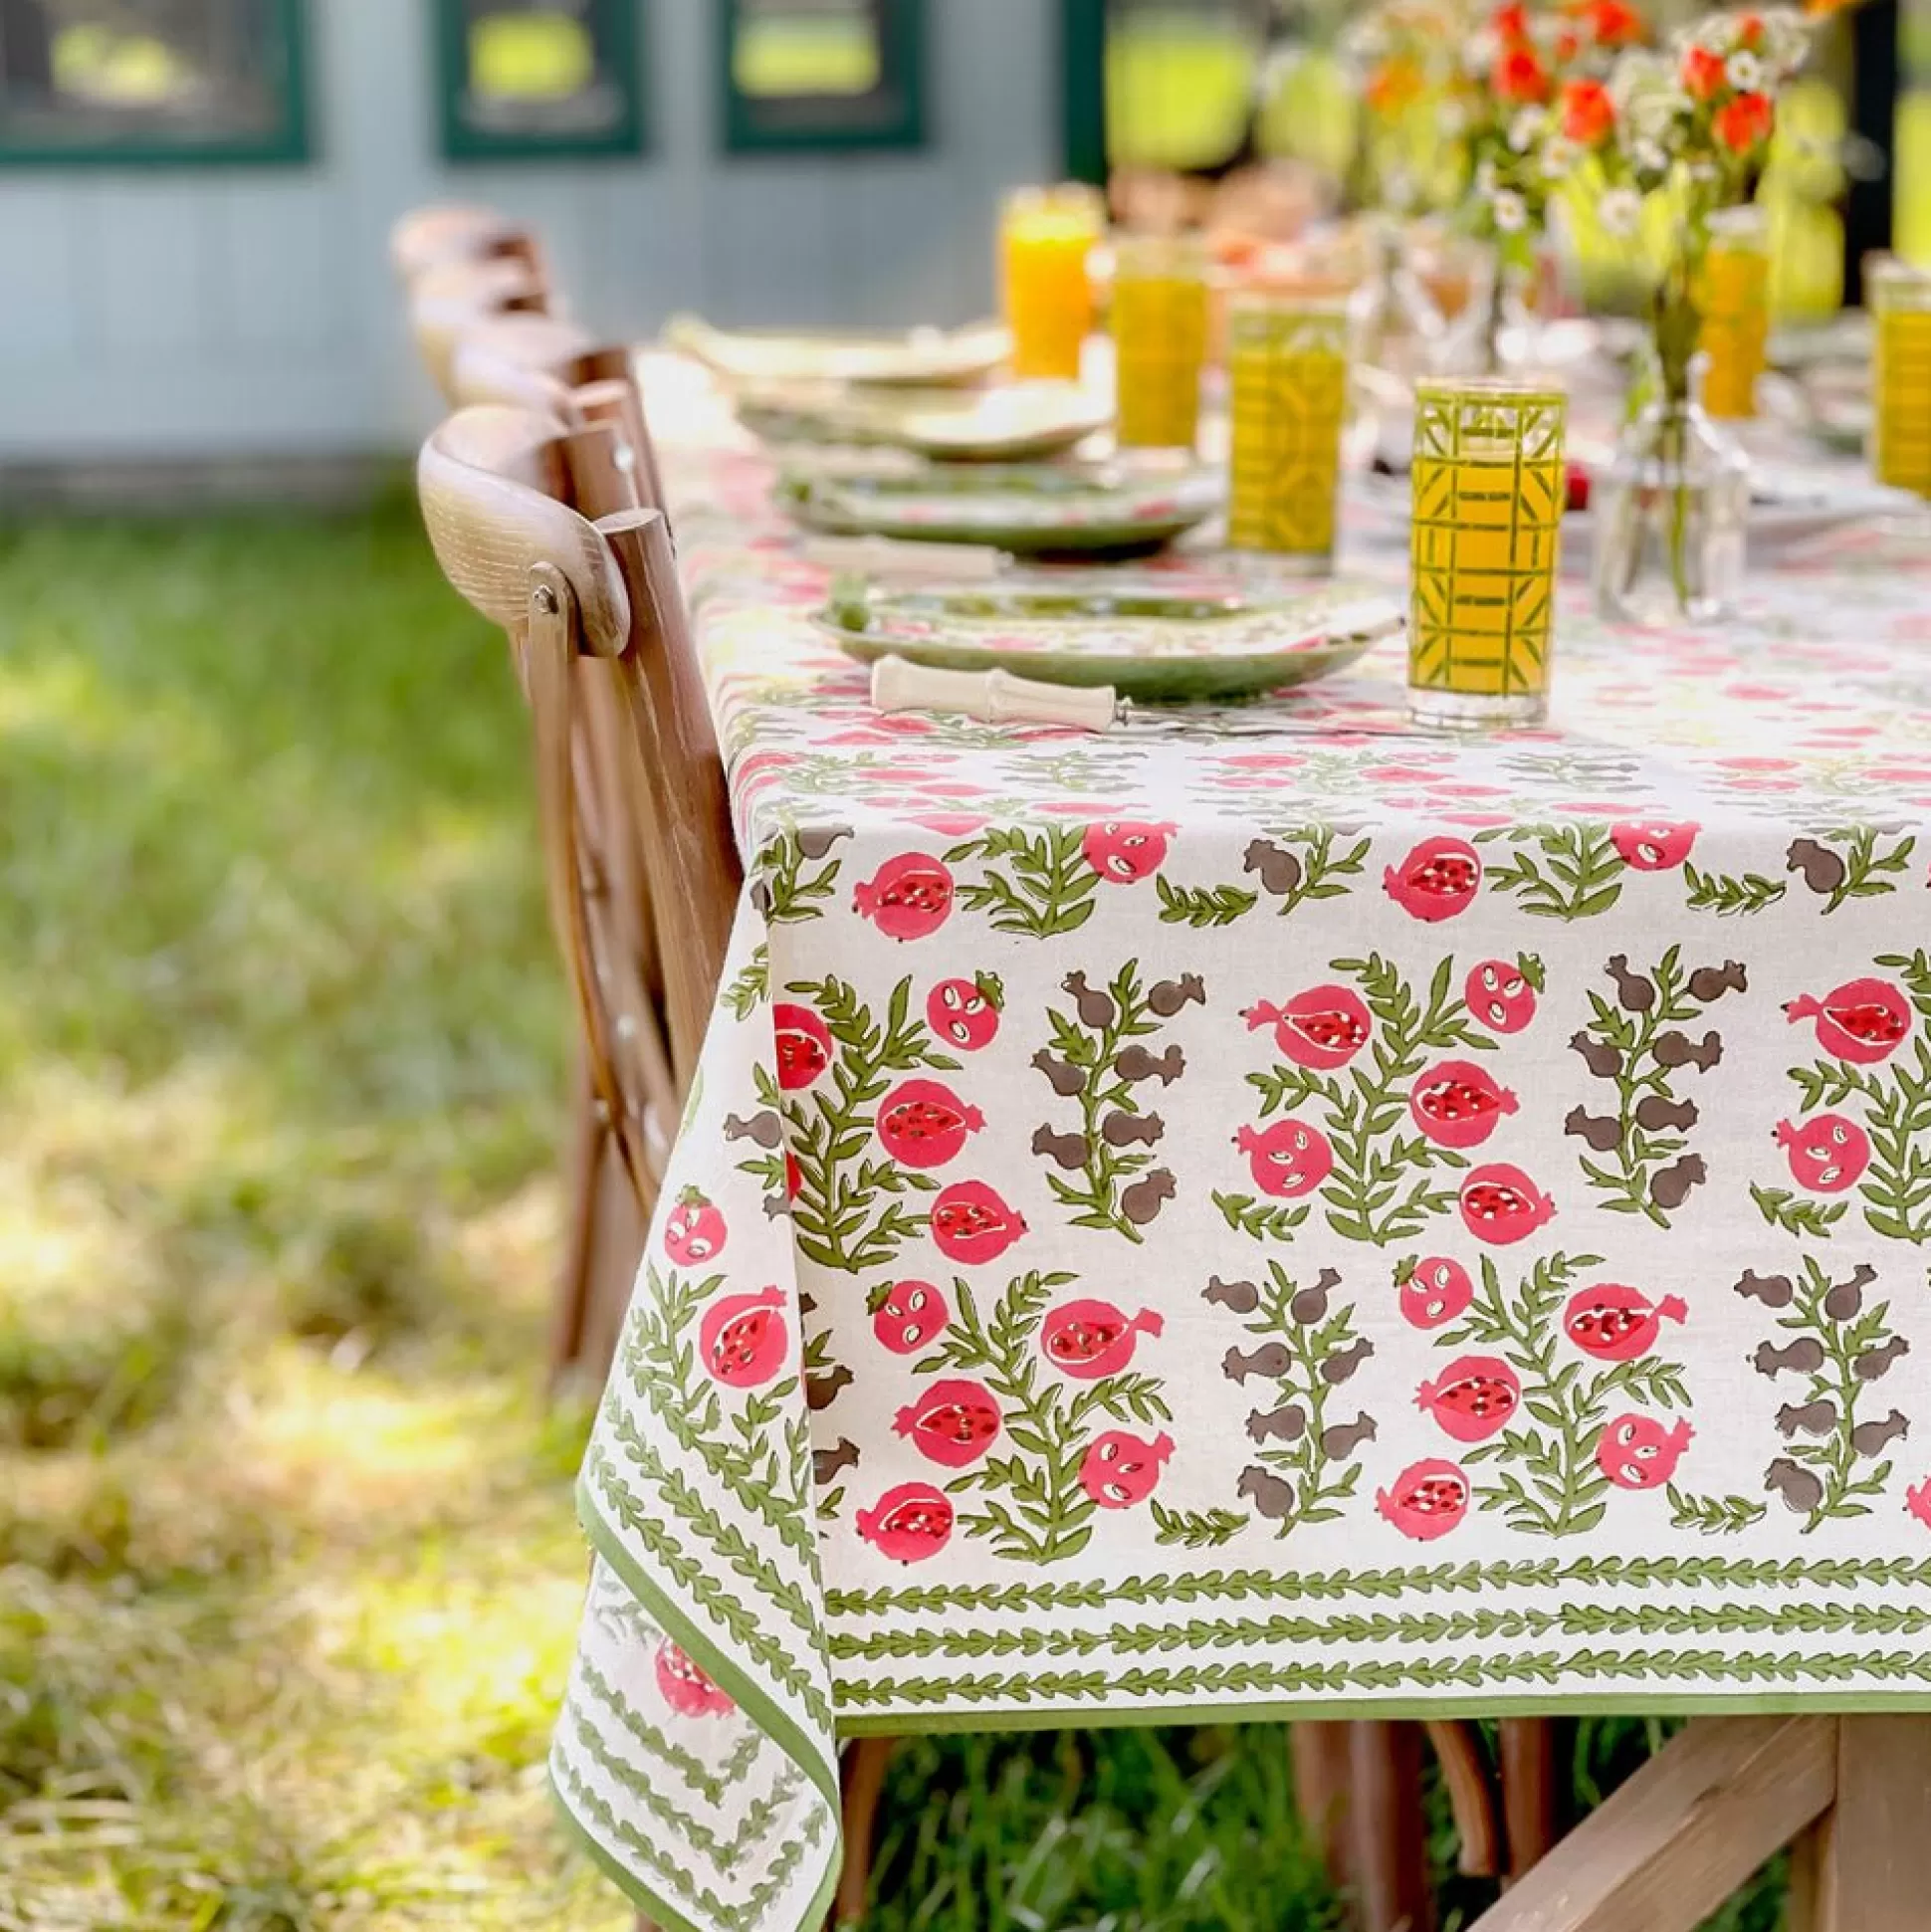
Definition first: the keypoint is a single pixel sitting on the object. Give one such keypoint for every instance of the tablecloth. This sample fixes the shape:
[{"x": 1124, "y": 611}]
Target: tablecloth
[{"x": 1273, "y": 1225}]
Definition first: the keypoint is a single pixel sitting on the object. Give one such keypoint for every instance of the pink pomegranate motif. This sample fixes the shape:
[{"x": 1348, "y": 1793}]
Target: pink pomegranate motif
[
  {"x": 1472, "y": 1397},
  {"x": 694, "y": 1233},
  {"x": 910, "y": 897},
  {"x": 1321, "y": 1029},
  {"x": 965, "y": 1012},
  {"x": 1652, "y": 844},
  {"x": 1123, "y": 852},
  {"x": 1500, "y": 1204},
  {"x": 1437, "y": 880},
  {"x": 1120, "y": 1470},
  {"x": 742, "y": 1338},
  {"x": 1457, "y": 1104},
  {"x": 952, "y": 1422},
  {"x": 909, "y": 1316},
  {"x": 972, "y": 1226},
  {"x": 923, "y": 1124},
  {"x": 1501, "y": 997},
  {"x": 685, "y": 1688},
  {"x": 1092, "y": 1339},
  {"x": 1828, "y": 1154},
  {"x": 1864, "y": 1020},
  {"x": 804, "y": 1043},
  {"x": 1434, "y": 1291},
  {"x": 1637, "y": 1453},
  {"x": 1918, "y": 1502},
  {"x": 1428, "y": 1500},
  {"x": 1288, "y": 1160},
  {"x": 909, "y": 1523},
  {"x": 1615, "y": 1323}
]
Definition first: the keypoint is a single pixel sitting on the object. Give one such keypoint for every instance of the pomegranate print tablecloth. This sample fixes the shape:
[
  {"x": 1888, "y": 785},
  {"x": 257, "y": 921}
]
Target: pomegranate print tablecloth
[{"x": 1288, "y": 1223}]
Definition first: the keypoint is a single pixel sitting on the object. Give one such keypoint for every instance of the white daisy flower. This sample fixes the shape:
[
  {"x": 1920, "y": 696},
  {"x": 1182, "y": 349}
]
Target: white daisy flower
[
  {"x": 1744, "y": 71},
  {"x": 1451, "y": 118},
  {"x": 1620, "y": 210},
  {"x": 1486, "y": 181},
  {"x": 1481, "y": 49},
  {"x": 1559, "y": 158},
  {"x": 1511, "y": 212},
  {"x": 1524, "y": 129},
  {"x": 1649, "y": 156}
]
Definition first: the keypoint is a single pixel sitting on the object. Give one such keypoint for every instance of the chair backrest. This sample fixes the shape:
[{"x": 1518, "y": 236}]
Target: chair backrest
[
  {"x": 450, "y": 298},
  {"x": 538, "y": 527},
  {"x": 425, "y": 238}
]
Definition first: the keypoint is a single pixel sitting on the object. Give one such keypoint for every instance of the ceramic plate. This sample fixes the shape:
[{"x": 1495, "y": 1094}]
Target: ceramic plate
[
  {"x": 918, "y": 356},
  {"x": 1146, "y": 641},
  {"x": 1011, "y": 422},
  {"x": 1029, "y": 509}
]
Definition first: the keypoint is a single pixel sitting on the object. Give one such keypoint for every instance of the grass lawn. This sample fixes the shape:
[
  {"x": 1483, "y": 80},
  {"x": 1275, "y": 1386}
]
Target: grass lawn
[{"x": 287, "y": 1570}]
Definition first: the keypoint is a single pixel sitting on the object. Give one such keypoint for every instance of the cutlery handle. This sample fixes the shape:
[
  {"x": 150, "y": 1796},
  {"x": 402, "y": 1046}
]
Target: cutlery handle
[{"x": 995, "y": 697}]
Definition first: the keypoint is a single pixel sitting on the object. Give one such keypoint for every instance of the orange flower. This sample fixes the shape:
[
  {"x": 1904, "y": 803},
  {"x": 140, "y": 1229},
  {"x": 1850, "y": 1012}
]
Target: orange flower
[
  {"x": 1393, "y": 84},
  {"x": 1612, "y": 23},
  {"x": 1750, "y": 30},
  {"x": 1518, "y": 77},
  {"x": 1588, "y": 113},
  {"x": 1512, "y": 21},
  {"x": 1569, "y": 43},
  {"x": 1702, "y": 72},
  {"x": 1743, "y": 122}
]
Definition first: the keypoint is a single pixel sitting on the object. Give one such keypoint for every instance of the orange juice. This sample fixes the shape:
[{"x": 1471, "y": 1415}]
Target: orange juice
[
  {"x": 1046, "y": 237},
  {"x": 1159, "y": 330},
  {"x": 1735, "y": 296},
  {"x": 1490, "y": 484},
  {"x": 1287, "y": 362},
  {"x": 1900, "y": 447}
]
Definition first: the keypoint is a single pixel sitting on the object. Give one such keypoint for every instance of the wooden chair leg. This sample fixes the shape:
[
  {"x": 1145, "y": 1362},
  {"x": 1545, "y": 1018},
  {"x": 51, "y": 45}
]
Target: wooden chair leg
[
  {"x": 1318, "y": 1752},
  {"x": 1388, "y": 1827},
  {"x": 1531, "y": 1814},
  {"x": 1873, "y": 1869},
  {"x": 1667, "y": 1847},
  {"x": 583, "y": 1169},
  {"x": 1470, "y": 1784},
  {"x": 863, "y": 1779}
]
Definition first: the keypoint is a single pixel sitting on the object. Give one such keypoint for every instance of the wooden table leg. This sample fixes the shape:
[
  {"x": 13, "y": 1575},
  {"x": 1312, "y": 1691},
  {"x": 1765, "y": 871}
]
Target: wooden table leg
[
  {"x": 863, "y": 1779},
  {"x": 1530, "y": 1816},
  {"x": 1388, "y": 1827},
  {"x": 1874, "y": 1871}
]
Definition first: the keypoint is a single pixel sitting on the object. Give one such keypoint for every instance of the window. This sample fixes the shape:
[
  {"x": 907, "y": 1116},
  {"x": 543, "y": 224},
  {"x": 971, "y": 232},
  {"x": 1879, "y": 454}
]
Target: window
[
  {"x": 823, "y": 74},
  {"x": 530, "y": 78},
  {"x": 151, "y": 80}
]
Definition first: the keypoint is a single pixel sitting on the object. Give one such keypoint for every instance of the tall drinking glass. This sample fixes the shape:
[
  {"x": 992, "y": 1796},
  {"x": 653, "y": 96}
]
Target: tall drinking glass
[
  {"x": 1900, "y": 378},
  {"x": 1489, "y": 485},
  {"x": 1046, "y": 237},
  {"x": 1287, "y": 361},
  {"x": 1736, "y": 309},
  {"x": 1160, "y": 331}
]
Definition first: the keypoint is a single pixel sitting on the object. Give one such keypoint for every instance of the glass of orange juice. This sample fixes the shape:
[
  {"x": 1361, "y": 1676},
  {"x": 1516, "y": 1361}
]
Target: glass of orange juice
[
  {"x": 1735, "y": 295},
  {"x": 1490, "y": 484},
  {"x": 1899, "y": 297},
  {"x": 1046, "y": 237},
  {"x": 1160, "y": 333},
  {"x": 1287, "y": 365}
]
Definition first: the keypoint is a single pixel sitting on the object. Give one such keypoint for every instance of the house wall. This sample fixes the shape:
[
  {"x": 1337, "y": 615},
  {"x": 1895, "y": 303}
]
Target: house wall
[{"x": 212, "y": 313}]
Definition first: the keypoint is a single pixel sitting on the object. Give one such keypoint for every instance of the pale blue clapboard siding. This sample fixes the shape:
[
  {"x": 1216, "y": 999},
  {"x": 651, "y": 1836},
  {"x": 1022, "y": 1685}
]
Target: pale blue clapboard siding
[{"x": 251, "y": 313}]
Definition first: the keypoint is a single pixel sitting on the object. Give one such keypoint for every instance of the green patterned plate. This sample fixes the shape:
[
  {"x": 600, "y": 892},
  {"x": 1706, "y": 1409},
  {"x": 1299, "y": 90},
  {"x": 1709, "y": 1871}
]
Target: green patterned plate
[
  {"x": 916, "y": 357},
  {"x": 1145, "y": 640},
  {"x": 1009, "y": 423},
  {"x": 1029, "y": 509}
]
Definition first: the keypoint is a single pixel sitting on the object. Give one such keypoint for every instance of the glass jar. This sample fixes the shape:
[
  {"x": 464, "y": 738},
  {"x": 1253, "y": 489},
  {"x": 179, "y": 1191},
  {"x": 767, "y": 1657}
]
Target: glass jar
[
  {"x": 1160, "y": 331},
  {"x": 1045, "y": 238},
  {"x": 1735, "y": 300},
  {"x": 1900, "y": 378},
  {"x": 1668, "y": 517}
]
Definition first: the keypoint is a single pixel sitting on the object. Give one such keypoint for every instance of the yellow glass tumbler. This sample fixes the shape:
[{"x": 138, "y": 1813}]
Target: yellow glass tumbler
[
  {"x": 1160, "y": 333},
  {"x": 1490, "y": 484},
  {"x": 1287, "y": 362},
  {"x": 1899, "y": 298},
  {"x": 1045, "y": 238},
  {"x": 1735, "y": 293}
]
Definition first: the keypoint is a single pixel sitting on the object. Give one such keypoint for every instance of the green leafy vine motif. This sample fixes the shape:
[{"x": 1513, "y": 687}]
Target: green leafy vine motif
[
  {"x": 1364, "y": 1105},
  {"x": 1031, "y": 1502},
  {"x": 1895, "y": 1186},
  {"x": 1712, "y": 1515},
  {"x": 1545, "y": 1479},
  {"x": 1202, "y": 906},
  {"x": 1639, "y": 1154},
  {"x": 1843, "y": 1348},
  {"x": 1092, "y": 1060},
  {"x": 1046, "y": 888},
  {"x": 1845, "y": 863},
  {"x": 1304, "y": 1463},
  {"x": 783, "y": 886},
  {"x": 1293, "y": 867},
  {"x": 1728, "y": 894},
  {"x": 849, "y": 1211},
  {"x": 752, "y": 986},
  {"x": 1573, "y": 872}
]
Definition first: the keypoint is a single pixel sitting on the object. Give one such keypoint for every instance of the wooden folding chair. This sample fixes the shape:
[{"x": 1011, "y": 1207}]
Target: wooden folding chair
[
  {"x": 425, "y": 238},
  {"x": 449, "y": 298}
]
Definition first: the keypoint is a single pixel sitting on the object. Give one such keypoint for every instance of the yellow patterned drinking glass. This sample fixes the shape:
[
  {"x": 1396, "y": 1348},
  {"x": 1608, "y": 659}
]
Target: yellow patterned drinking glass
[
  {"x": 1489, "y": 485},
  {"x": 1900, "y": 376},
  {"x": 1287, "y": 361},
  {"x": 1046, "y": 237},
  {"x": 1160, "y": 331},
  {"x": 1735, "y": 295}
]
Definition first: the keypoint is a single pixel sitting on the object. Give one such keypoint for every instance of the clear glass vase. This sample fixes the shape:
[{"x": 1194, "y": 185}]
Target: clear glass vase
[{"x": 1669, "y": 517}]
